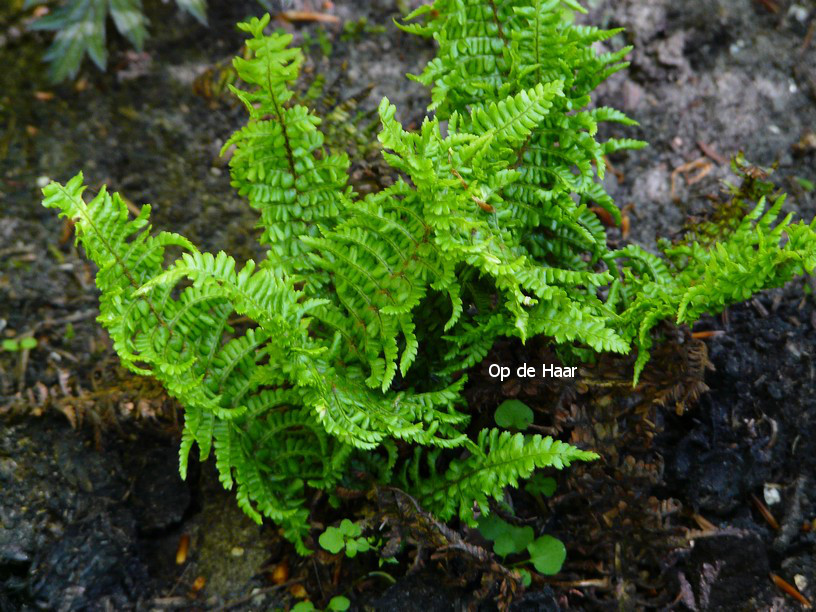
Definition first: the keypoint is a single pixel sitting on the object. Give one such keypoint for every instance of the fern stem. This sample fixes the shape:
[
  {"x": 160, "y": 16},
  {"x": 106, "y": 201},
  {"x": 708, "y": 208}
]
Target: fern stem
[
  {"x": 497, "y": 21},
  {"x": 279, "y": 112}
]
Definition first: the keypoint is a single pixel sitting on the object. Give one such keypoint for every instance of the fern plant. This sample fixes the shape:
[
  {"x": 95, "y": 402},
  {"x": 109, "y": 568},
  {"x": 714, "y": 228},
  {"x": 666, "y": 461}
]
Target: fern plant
[
  {"x": 80, "y": 27},
  {"x": 367, "y": 310}
]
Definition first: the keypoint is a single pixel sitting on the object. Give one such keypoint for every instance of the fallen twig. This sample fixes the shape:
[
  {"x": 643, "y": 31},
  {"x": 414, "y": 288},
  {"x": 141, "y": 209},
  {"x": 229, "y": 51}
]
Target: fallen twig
[
  {"x": 72, "y": 318},
  {"x": 704, "y": 335},
  {"x": 308, "y": 16},
  {"x": 598, "y": 583},
  {"x": 794, "y": 514},
  {"x": 701, "y": 164},
  {"x": 770, "y": 5},
  {"x": 711, "y": 152},
  {"x": 765, "y": 512},
  {"x": 703, "y": 522},
  {"x": 808, "y": 37},
  {"x": 791, "y": 590}
]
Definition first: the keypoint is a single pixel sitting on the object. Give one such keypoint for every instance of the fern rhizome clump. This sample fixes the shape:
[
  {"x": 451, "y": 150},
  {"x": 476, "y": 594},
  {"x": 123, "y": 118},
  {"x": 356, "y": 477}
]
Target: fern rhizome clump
[{"x": 367, "y": 310}]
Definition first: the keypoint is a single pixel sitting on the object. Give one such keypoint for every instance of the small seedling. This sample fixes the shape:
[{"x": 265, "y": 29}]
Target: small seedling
[
  {"x": 541, "y": 485},
  {"x": 352, "y": 30},
  {"x": 336, "y": 604},
  {"x": 320, "y": 40},
  {"x": 348, "y": 535},
  {"x": 514, "y": 414},
  {"x": 24, "y": 344},
  {"x": 805, "y": 184},
  {"x": 547, "y": 553},
  {"x": 507, "y": 539}
]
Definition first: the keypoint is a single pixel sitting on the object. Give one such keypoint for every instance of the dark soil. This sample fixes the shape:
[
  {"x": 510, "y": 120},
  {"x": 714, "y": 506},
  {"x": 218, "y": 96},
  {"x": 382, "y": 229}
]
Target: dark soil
[{"x": 92, "y": 510}]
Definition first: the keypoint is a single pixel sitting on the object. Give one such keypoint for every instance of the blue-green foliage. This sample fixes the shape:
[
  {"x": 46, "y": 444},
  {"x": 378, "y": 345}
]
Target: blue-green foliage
[
  {"x": 485, "y": 234},
  {"x": 80, "y": 29}
]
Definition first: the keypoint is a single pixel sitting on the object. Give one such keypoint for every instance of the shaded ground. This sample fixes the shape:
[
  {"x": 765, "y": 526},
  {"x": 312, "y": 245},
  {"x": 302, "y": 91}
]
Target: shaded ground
[{"x": 92, "y": 517}]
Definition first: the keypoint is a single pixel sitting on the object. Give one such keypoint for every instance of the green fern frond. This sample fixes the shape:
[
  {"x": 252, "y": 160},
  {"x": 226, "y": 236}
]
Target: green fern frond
[
  {"x": 499, "y": 459},
  {"x": 280, "y": 164},
  {"x": 355, "y": 330}
]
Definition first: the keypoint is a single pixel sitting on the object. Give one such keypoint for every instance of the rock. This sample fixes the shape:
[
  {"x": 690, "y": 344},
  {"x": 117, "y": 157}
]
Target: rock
[
  {"x": 716, "y": 481},
  {"x": 101, "y": 547},
  {"x": 160, "y": 497},
  {"x": 420, "y": 591},
  {"x": 727, "y": 572}
]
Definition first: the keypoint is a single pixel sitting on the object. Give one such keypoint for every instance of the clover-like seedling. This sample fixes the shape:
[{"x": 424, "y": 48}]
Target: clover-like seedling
[
  {"x": 547, "y": 554},
  {"x": 347, "y": 536},
  {"x": 513, "y": 414},
  {"x": 541, "y": 485},
  {"x": 24, "y": 344},
  {"x": 338, "y": 603}
]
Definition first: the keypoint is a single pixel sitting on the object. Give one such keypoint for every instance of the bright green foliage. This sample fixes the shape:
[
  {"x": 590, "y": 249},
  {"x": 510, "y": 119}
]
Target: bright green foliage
[
  {"x": 694, "y": 278},
  {"x": 347, "y": 536},
  {"x": 12, "y": 345},
  {"x": 289, "y": 401},
  {"x": 507, "y": 539},
  {"x": 547, "y": 554},
  {"x": 494, "y": 48},
  {"x": 280, "y": 163},
  {"x": 366, "y": 310},
  {"x": 546, "y": 238},
  {"x": 499, "y": 459},
  {"x": 338, "y": 603}
]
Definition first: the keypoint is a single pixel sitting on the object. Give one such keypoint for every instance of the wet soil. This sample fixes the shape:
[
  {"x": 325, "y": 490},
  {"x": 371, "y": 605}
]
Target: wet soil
[{"x": 92, "y": 511}]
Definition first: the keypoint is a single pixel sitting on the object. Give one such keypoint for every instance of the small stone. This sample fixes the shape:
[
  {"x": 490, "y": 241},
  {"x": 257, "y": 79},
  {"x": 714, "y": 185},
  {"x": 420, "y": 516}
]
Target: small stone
[
  {"x": 771, "y": 495},
  {"x": 798, "y": 12},
  {"x": 736, "y": 47},
  {"x": 800, "y": 581},
  {"x": 237, "y": 551}
]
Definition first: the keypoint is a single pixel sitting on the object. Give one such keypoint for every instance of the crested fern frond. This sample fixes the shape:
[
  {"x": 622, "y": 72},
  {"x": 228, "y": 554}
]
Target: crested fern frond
[
  {"x": 499, "y": 459},
  {"x": 279, "y": 161}
]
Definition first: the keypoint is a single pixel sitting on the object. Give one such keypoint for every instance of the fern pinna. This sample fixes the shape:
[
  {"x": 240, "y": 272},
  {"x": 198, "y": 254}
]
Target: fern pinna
[{"x": 366, "y": 310}]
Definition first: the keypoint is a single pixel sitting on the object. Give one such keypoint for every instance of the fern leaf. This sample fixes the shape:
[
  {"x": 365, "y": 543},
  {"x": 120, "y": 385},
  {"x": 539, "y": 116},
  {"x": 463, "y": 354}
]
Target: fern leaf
[
  {"x": 499, "y": 460},
  {"x": 80, "y": 28}
]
